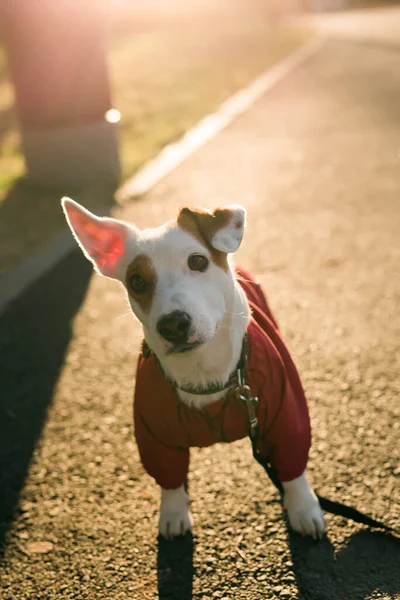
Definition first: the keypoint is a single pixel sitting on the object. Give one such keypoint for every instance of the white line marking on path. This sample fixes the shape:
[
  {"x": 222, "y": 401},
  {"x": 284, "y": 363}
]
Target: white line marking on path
[{"x": 174, "y": 154}]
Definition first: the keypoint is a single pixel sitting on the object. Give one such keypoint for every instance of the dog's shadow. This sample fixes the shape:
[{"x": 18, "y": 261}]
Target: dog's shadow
[
  {"x": 367, "y": 564},
  {"x": 175, "y": 568}
]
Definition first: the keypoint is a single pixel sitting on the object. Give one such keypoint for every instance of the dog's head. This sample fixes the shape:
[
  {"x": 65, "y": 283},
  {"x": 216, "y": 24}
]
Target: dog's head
[{"x": 177, "y": 276}]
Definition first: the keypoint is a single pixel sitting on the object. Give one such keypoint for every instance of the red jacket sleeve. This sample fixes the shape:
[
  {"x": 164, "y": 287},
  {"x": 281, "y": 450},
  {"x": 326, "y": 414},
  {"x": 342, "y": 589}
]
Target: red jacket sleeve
[
  {"x": 168, "y": 466},
  {"x": 285, "y": 436}
]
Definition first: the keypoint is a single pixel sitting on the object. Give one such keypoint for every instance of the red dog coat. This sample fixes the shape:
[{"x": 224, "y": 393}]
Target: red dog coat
[{"x": 165, "y": 427}]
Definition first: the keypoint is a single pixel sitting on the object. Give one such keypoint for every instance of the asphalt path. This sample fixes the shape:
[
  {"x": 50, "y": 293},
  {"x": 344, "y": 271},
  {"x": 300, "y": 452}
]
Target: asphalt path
[{"x": 317, "y": 164}]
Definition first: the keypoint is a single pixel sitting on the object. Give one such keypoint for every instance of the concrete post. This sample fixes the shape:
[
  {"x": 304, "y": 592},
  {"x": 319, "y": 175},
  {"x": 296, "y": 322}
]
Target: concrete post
[{"x": 57, "y": 64}]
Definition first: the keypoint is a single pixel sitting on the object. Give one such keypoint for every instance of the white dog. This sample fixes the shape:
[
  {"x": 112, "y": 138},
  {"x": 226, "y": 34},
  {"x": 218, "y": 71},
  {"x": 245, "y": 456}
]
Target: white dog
[{"x": 202, "y": 320}]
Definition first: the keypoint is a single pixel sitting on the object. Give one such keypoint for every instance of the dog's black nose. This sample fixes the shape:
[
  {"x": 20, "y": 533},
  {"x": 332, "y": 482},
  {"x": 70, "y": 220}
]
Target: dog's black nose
[{"x": 175, "y": 326}]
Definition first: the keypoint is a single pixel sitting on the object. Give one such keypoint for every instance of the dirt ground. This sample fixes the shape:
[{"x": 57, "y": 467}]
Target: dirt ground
[{"x": 316, "y": 163}]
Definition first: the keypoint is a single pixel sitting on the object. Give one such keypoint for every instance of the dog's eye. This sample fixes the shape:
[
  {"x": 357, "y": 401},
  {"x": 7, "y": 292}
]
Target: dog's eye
[
  {"x": 198, "y": 262},
  {"x": 137, "y": 284}
]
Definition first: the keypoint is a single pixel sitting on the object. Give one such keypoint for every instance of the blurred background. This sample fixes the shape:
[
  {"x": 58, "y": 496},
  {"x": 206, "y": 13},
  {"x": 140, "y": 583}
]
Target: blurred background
[{"x": 90, "y": 91}]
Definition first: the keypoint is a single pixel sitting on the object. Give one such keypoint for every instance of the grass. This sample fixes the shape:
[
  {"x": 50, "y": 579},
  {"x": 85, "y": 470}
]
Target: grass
[
  {"x": 167, "y": 70},
  {"x": 11, "y": 160}
]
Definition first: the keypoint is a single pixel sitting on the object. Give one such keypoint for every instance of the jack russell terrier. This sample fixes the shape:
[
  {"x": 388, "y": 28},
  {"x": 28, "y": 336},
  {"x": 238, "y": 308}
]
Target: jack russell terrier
[{"x": 201, "y": 318}]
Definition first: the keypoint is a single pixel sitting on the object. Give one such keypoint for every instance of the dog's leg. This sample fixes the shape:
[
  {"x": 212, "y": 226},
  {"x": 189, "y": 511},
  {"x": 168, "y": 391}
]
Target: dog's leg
[
  {"x": 175, "y": 517},
  {"x": 304, "y": 512}
]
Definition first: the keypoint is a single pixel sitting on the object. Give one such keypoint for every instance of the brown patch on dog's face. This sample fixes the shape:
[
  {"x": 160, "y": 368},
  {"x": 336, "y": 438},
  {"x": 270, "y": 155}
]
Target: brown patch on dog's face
[
  {"x": 203, "y": 226},
  {"x": 141, "y": 281}
]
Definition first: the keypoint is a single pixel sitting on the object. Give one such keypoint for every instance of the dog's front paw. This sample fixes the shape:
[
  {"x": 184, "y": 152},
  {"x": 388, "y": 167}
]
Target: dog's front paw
[
  {"x": 304, "y": 512},
  {"x": 175, "y": 523},
  {"x": 175, "y": 517},
  {"x": 308, "y": 520}
]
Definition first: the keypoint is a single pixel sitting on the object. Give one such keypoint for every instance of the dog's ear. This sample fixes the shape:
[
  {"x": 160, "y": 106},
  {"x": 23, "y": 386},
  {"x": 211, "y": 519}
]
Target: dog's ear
[
  {"x": 102, "y": 240},
  {"x": 221, "y": 228},
  {"x": 229, "y": 235}
]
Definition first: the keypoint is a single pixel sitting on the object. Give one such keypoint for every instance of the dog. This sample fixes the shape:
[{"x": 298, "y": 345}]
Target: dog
[{"x": 202, "y": 318}]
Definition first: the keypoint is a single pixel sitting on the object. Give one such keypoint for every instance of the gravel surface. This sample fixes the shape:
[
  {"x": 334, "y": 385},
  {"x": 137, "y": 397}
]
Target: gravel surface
[{"x": 316, "y": 163}]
